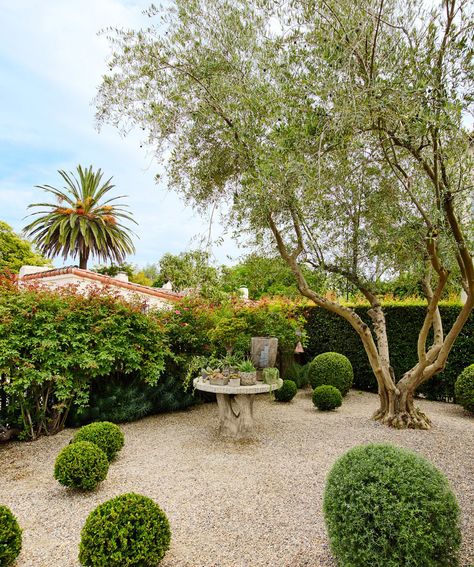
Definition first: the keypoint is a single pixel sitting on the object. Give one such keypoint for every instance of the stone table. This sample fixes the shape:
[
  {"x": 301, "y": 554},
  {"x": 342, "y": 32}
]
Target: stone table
[{"x": 235, "y": 404}]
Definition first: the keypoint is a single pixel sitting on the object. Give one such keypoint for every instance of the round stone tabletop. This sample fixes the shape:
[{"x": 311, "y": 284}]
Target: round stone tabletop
[{"x": 258, "y": 388}]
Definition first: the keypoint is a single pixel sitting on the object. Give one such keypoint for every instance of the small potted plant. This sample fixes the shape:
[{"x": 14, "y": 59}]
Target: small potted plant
[
  {"x": 234, "y": 379},
  {"x": 271, "y": 375},
  {"x": 216, "y": 378},
  {"x": 230, "y": 363},
  {"x": 248, "y": 373}
]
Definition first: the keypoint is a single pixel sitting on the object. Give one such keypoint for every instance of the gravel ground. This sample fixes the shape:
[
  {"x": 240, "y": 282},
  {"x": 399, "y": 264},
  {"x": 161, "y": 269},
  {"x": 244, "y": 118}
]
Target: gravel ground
[{"x": 230, "y": 504}]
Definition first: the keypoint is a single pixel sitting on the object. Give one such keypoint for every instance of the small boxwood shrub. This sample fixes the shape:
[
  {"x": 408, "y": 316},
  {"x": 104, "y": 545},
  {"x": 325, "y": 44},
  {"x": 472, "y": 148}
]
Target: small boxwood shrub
[
  {"x": 287, "y": 392},
  {"x": 464, "y": 388},
  {"x": 333, "y": 369},
  {"x": 10, "y": 537},
  {"x": 106, "y": 435},
  {"x": 388, "y": 506},
  {"x": 127, "y": 530},
  {"x": 81, "y": 465},
  {"x": 327, "y": 398}
]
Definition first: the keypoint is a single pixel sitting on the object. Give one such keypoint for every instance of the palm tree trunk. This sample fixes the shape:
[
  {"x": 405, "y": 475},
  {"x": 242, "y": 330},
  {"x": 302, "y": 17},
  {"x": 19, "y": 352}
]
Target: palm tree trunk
[{"x": 83, "y": 258}]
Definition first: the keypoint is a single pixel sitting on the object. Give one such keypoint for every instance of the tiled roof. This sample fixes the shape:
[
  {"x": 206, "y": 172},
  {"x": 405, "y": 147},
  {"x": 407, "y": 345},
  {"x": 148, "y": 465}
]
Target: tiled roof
[{"x": 105, "y": 280}]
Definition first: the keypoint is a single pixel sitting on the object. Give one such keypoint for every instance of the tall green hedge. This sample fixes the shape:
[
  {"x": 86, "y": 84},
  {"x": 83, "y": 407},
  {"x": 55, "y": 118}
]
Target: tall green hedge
[{"x": 329, "y": 332}]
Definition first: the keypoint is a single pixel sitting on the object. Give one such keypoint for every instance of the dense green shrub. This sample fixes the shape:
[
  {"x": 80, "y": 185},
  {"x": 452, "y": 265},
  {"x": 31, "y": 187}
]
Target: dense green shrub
[
  {"x": 287, "y": 392},
  {"x": 106, "y": 435},
  {"x": 298, "y": 374},
  {"x": 10, "y": 537},
  {"x": 81, "y": 465},
  {"x": 326, "y": 397},
  {"x": 388, "y": 506},
  {"x": 129, "y": 530},
  {"x": 464, "y": 388},
  {"x": 333, "y": 369},
  {"x": 120, "y": 400},
  {"x": 329, "y": 332},
  {"x": 53, "y": 344}
]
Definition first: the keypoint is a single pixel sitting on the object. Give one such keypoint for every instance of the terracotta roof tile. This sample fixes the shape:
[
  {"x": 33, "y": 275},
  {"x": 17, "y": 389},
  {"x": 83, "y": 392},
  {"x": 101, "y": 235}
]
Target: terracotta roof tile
[{"x": 106, "y": 280}]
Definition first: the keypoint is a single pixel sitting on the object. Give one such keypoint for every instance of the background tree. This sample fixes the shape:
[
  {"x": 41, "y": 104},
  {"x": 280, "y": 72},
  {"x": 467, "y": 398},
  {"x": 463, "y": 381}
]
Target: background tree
[
  {"x": 81, "y": 222},
  {"x": 188, "y": 270},
  {"x": 135, "y": 275},
  {"x": 266, "y": 276},
  {"x": 16, "y": 252},
  {"x": 336, "y": 129}
]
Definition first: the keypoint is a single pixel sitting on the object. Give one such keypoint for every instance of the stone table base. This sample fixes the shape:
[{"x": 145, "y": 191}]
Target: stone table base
[{"x": 235, "y": 404}]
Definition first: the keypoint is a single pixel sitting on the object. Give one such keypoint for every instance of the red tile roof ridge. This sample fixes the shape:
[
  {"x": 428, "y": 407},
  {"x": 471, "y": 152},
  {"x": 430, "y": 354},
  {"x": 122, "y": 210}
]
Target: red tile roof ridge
[{"x": 107, "y": 280}]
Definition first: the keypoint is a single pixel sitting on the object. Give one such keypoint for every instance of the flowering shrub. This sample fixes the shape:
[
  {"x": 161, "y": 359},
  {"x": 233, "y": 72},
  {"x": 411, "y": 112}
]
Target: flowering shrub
[{"x": 53, "y": 344}]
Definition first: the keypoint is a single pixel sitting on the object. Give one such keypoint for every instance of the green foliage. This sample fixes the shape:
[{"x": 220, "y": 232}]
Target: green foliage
[
  {"x": 16, "y": 252},
  {"x": 53, "y": 345},
  {"x": 333, "y": 369},
  {"x": 10, "y": 537},
  {"x": 266, "y": 276},
  {"x": 121, "y": 400},
  {"x": 298, "y": 374},
  {"x": 80, "y": 222},
  {"x": 106, "y": 435},
  {"x": 127, "y": 531},
  {"x": 326, "y": 397},
  {"x": 287, "y": 392},
  {"x": 270, "y": 375},
  {"x": 246, "y": 366},
  {"x": 188, "y": 270},
  {"x": 82, "y": 465},
  {"x": 464, "y": 388},
  {"x": 328, "y": 332},
  {"x": 388, "y": 506}
]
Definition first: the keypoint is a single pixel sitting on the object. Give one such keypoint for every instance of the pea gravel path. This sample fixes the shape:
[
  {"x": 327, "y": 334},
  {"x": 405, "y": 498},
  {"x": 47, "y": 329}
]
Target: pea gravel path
[{"x": 247, "y": 504}]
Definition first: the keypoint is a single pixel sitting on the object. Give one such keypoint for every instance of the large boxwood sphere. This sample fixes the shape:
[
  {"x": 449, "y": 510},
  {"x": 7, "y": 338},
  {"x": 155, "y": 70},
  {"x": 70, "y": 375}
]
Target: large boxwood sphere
[
  {"x": 333, "y": 369},
  {"x": 10, "y": 537},
  {"x": 327, "y": 398},
  {"x": 129, "y": 530},
  {"x": 287, "y": 392},
  {"x": 386, "y": 506},
  {"x": 81, "y": 465},
  {"x": 104, "y": 434},
  {"x": 464, "y": 388}
]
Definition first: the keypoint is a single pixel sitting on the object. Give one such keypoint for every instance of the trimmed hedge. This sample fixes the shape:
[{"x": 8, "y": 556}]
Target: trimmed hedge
[
  {"x": 326, "y": 397},
  {"x": 107, "y": 436},
  {"x": 10, "y": 537},
  {"x": 464, "y": 388},
  {"x": 127, "y": 530},
  {"x": 332, "y": 369},
  {"x": 287, "y": 392},
  {"x": 329, "y": 332},
  {"x": 388, "y": 506},
  {"x": 81, "y": 465}
]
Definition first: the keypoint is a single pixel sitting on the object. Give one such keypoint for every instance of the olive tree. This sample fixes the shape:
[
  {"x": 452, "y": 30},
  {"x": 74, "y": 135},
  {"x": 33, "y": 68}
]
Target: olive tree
[{"x": 333, "y": 130}]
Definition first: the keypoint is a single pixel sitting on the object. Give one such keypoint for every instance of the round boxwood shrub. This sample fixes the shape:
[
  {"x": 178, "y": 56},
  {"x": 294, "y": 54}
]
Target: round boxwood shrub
[
  {"x": 331, "y": 368},
  {"x": 287, "y": 392},
  {"x": 464, "y": 388},
  {"x": 127, "y": 530},
  {"x": 388, "y": 506},
  {"x": 81, "y": 465},
  {"x": 104, "y": 434},
  {"x": 327, "y": 397},
  {"x": 10, "y": 537}
]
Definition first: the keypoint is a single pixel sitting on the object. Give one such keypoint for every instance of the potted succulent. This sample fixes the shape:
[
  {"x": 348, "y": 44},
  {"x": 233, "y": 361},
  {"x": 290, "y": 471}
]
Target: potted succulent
[
  {"x": 248, "y": 373},
  {"x": 230, "y": 364},
  {"x": 271, "y": 375},
  {"x": 216, "y": 378},
  {"x": 234, "y": 379}
]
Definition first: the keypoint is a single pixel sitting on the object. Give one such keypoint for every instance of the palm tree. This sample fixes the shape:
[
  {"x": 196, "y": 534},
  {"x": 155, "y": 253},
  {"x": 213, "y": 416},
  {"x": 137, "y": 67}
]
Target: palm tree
[{"x": 79, "y": 224}]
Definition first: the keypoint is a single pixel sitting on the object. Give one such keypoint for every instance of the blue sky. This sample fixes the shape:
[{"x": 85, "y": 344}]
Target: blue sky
[{"x": 51, "y": 62}]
